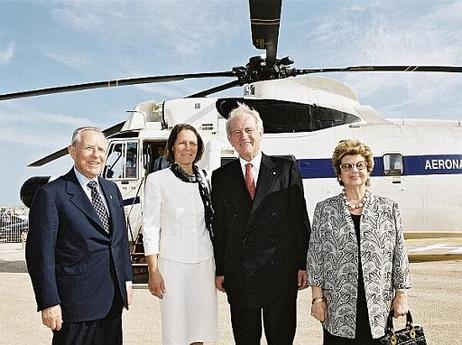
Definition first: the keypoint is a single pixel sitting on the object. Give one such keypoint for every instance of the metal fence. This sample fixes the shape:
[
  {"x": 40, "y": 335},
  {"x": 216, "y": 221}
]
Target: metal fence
[{"x": 14, "y": 224}]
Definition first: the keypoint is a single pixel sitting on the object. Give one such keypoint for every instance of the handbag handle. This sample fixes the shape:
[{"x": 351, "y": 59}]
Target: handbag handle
[{"x": 391, "y": 331}]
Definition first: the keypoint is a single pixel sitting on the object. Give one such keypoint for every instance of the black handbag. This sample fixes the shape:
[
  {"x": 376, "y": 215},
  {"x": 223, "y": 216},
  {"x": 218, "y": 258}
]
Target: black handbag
[{"x": 410, "y": 335}]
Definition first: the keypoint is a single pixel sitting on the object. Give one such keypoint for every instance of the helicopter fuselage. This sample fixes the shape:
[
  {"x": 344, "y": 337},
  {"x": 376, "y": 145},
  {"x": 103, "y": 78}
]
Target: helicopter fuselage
[{"x": 418, "y": 163}]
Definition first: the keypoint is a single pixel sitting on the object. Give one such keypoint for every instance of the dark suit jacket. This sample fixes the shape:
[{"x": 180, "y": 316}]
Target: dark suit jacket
[
  {"x": 260, "y": 245},
  {"x": 71, "y": 260}
]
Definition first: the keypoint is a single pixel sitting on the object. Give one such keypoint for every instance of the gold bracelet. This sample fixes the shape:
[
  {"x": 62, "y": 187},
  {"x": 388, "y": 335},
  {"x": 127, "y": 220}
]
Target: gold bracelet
[{"x": 318, "y": 300}]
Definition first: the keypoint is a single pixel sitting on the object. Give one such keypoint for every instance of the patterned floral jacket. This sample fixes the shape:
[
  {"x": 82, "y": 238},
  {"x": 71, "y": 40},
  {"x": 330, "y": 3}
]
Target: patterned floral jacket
[{"x": 333, "y": 261}]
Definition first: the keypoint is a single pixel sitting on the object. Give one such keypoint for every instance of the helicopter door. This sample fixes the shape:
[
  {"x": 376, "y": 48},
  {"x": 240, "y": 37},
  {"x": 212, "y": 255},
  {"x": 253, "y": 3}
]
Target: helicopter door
[
  {"x": 123, "y": 168},
  {"x": 154, "y": 156}
]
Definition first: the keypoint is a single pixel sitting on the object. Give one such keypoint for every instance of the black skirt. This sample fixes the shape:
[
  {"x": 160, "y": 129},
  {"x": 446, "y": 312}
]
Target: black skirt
[{"x": 363, "y": 334}]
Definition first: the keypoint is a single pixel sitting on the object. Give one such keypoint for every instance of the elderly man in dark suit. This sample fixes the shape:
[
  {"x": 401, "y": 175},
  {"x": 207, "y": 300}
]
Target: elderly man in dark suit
[
  {"x": 261, "y": 235},
  {"x": 77, "y": 249}
]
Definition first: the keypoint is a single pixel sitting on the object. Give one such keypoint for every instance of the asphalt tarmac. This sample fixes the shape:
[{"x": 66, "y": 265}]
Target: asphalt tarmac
[{"x": 435, "y": 301}]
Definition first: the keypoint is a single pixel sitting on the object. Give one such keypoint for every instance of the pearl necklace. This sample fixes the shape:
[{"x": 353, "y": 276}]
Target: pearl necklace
[{"x": 355, "y": 206}]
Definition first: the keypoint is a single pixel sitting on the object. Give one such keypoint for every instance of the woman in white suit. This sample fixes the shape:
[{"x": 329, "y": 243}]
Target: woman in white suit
[
  {"x": 177, "y": 235},
  {"x": 357, "y": 263}
]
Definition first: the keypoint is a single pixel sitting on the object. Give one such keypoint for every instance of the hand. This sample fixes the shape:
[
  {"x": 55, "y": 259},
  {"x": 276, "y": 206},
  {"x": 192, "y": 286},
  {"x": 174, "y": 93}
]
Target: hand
[
  {"x": 399, "y": 304},
  {"x": 302, "y": 279},
  {"x": 129, "y": 287},
  {"x": 219, "y": 283},
  {"x": 319, "y": 311},
  {"x": 156, "y": 284},
  {"x": 52, "y": 317}
]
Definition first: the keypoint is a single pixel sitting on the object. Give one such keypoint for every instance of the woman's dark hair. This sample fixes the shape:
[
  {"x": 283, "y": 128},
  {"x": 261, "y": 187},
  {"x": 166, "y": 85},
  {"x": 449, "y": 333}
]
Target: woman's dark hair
[{"x": 172, "y": 138}]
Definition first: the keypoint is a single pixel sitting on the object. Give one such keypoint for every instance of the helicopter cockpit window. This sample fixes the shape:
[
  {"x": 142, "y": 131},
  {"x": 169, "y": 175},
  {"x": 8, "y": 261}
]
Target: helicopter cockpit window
[
  {"x": 121, "y": 162},
  {"x": 393, "y": 164}
]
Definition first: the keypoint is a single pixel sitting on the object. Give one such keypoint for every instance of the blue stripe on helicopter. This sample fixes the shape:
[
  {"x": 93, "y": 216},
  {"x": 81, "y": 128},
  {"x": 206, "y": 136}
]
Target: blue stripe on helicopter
[
  {"x": 433, "y": 164},
  {"x": 132, "y": 201},
  {"x": 413, "y": 165}
]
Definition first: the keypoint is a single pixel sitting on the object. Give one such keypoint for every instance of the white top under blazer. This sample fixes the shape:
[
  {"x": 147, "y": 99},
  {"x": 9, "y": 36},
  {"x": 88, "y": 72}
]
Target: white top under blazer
[{"x": 173, "y": 219}]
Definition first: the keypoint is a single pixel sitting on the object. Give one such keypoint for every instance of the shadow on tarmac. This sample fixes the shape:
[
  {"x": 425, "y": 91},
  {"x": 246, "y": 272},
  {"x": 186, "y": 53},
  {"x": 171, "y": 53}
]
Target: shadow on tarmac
[{"x": 18, "y": 266}]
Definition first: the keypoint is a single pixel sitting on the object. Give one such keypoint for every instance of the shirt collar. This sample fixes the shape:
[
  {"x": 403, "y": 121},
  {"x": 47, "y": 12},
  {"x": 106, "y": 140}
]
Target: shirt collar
[
  {"x": 256, "y": 161},
  {"x": 83, "y": 180}
]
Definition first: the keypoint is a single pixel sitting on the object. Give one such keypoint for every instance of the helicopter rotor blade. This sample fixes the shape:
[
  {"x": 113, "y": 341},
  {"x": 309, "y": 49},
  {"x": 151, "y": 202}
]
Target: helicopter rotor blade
[
  {"x": 62, "y": 152},
  {"x": 114, "y": 83},
  {"x": 443, "y": 69},
  {"x": 215, "y": 89},
  {"x": 51, "y": 157},
  {"x": 113, "y": 129},
  {"x": 265, "y": 17}
]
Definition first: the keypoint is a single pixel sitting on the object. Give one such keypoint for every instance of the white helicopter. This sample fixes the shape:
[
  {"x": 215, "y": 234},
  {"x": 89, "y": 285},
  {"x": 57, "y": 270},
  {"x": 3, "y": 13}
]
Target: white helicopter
[{"x": 418, "y": 163}]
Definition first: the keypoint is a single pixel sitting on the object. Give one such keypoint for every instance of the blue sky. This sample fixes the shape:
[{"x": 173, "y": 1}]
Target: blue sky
[{"x": 50, "y": 43}]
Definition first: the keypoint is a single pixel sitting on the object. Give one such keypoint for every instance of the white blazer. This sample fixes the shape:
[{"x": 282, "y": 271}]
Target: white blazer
[{"x": 173, "y": 219}]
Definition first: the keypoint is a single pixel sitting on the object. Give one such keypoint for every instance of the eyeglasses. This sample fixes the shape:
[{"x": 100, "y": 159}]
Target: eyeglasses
[{"x": 349, "y": 166}]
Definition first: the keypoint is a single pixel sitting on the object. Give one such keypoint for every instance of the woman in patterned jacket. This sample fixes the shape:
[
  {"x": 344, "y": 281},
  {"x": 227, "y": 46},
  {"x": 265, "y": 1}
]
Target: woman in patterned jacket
[{"x": 357, "y": 263}]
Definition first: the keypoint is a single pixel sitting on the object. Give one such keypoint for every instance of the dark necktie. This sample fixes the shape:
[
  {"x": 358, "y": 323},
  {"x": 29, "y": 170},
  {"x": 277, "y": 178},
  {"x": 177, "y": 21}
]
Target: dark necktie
[
  {"x": 98, "y": 204},
  {"x": 249, "y": 181}
]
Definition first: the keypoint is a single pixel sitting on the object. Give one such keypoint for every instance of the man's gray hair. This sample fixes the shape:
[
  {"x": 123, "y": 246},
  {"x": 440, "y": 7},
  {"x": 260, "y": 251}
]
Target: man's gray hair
[
  {"x": 76, "y": 136},
  {"x": 240, "y": 110}
]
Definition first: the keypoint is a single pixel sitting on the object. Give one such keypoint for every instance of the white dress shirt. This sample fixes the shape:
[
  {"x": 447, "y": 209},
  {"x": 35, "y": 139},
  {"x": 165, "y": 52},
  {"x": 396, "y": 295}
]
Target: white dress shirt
[
  {"x": 256, "y": 161},
  {"x": 83, "y": 180}
]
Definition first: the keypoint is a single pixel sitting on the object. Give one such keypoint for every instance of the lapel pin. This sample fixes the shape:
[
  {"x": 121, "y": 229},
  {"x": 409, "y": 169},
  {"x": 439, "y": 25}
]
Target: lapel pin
[
  {"x": 110, "y": 197},
  {"x": 274, "y": 172}
]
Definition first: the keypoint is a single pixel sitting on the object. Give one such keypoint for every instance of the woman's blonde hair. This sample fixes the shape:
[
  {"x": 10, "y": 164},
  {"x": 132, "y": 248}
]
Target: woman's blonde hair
[{"x": 351, "y": 147}]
